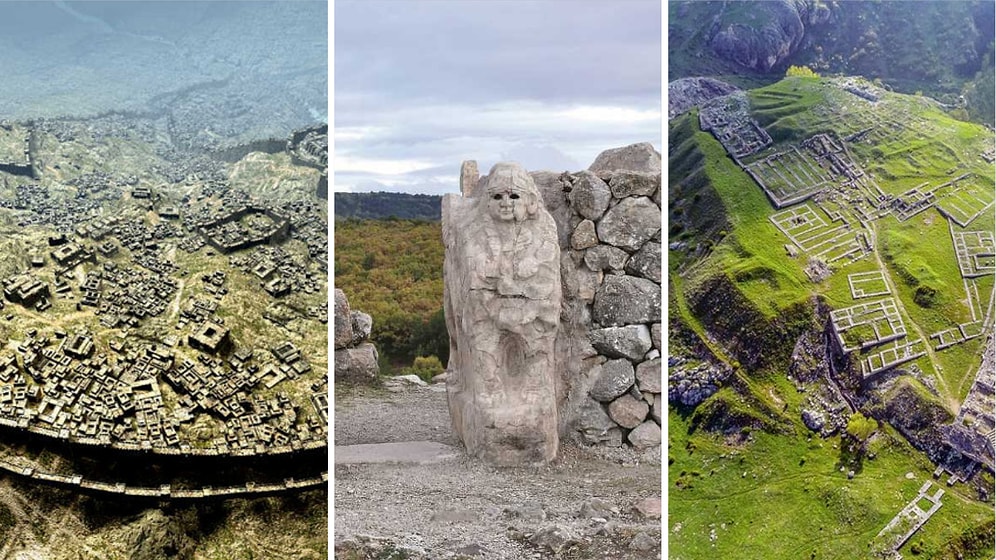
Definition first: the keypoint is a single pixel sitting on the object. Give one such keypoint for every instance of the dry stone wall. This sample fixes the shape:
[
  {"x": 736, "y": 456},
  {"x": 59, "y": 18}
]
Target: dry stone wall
[
  {"x": 609, "y": 228},
  {"x": 355, "y": 356}
]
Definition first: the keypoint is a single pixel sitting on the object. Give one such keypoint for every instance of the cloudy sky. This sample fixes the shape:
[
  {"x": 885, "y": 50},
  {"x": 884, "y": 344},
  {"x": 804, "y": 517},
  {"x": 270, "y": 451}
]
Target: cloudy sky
[{"x": 422, "y": 85}]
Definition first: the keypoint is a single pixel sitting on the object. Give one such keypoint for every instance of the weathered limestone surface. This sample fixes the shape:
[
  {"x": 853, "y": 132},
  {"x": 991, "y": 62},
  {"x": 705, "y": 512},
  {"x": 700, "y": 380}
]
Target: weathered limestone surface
[
  {"x": 629, "y": 224},
  {"x": 356, "y": 364},
  {"x": 362, "y": 324},
  {"x": 626, "y": 300},
  {"x": 502, "y": 299},
  {"x": 625, "y": 183},
  {"x": 646, "y": 262},
  {"x": 631, "y": 341},
  {"x": 343, "y": 321},
  {"x": 614, "y": 379},
  {"x": 639, "y": 158},
  {"x": 647, "y": 434},
  {"x": 355, "y": 358},
  {"x": 605, "y": 257},
  {"x": 627, "y": 411},
  {"x": 590, "y": 196},
  {"x": 584, "y": 236}
]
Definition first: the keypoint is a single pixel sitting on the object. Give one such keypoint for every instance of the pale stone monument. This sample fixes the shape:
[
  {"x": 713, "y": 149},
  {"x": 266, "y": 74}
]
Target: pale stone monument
[{"x": 502, "y": 296}]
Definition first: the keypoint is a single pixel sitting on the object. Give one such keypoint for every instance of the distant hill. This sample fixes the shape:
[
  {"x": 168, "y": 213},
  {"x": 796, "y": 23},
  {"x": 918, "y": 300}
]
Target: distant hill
[
  {"x": 383, "y": 205},
  {"x": 936, "y": 47}
]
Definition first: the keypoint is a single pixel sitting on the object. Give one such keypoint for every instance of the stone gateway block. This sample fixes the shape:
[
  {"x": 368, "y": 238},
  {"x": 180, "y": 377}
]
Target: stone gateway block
[{"x": 502, "y": 296}]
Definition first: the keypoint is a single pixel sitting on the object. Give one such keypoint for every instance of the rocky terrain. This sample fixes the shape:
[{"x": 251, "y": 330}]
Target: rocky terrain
[
  {"x": 941, "y": 49},
  {"x": 685, "y": 93},
  {"x": 805, "y": 341},
  {"x": 590, "y": 503}
]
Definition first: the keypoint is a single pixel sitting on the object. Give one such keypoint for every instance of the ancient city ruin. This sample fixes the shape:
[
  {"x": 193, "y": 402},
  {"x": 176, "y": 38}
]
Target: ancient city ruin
[
  {"x": 154, "y": 321},
  {"x": 829, "y": 210},
  {"x": 603, "y": 360}
]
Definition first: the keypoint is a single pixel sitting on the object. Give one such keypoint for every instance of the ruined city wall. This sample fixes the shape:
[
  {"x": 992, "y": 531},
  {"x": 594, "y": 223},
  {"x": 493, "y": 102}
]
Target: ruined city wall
[{"x": 608, "y": 221}]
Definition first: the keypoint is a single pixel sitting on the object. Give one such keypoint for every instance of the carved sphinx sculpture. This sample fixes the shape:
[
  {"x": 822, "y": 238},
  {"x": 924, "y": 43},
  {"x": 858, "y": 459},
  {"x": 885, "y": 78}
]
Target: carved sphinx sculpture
[{"x": 502, "y": 302}]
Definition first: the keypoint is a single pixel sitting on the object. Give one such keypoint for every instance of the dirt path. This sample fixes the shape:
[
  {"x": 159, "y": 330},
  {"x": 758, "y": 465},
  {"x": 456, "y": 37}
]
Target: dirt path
[{"x": 462, "y": 507}]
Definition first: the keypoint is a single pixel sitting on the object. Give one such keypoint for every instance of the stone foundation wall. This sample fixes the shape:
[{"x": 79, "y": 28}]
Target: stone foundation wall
[{"x": 609, "y": 227}]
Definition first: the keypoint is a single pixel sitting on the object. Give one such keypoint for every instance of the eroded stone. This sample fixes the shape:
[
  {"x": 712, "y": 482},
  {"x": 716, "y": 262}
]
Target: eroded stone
[
  {"x": 646, "y": 262},
  {"x": 639, "y": 158},
  {"x": 614, "y": 379},
  {"x": 630, "y": 224},
  {"x": 648, "y": 376},
  {"x": 589, "y": 195},
  {"x": 627, "y": 411},
  {"x": 627, "y": 300},
  {"x": 502, "y": 302},
  {"x": 343, "y": 321},
  {"x": 647, "y": 434},
  {"x": 584, "y": 236},
  {"x": 631, "y": 341}
]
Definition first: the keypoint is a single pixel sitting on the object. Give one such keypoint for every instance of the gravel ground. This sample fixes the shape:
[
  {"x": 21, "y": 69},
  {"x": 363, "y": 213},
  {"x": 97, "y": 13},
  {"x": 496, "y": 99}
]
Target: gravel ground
[{"x": 465, "y": 509}]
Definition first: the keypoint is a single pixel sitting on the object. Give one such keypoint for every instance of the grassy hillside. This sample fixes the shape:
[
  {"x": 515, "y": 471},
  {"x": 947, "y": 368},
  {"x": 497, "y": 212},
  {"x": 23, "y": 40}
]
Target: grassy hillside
[
  {"x": 746, "y": 477},
  {"x": 939, "y": 48}
]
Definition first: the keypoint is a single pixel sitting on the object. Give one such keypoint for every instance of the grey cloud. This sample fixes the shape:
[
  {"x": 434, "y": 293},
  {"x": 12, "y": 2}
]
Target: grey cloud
[{"x": 548, "y": 83}]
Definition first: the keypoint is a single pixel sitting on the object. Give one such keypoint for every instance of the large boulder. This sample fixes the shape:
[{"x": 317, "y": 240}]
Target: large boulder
[
  {"x": 343, "y": 322},
  {"x": 640, "y": 158},
  {"x": 627, "y": 411},
  {"x": 589, "y": 195},
  {"x": 584, "y": 236},
  {"x": 357, "y": 364},
  {"x": 646, "y": 262},
  {"x": 630, "y": 224},
  {"x": 631, "y": 342},
  {"x": 605, "y": 257},
  {"x": 595, "y": 426},
  {"x": 628, "y": 183},
  {"x": 647, "y": 434},
  {"x": 614, "y": 379},
  {"x": 626, "y": 300},
  {"x": 648, "y": 376}
]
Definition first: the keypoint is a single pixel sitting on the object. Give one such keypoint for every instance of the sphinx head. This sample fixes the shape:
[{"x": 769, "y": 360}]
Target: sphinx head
[{"x": 511, "y": 193}]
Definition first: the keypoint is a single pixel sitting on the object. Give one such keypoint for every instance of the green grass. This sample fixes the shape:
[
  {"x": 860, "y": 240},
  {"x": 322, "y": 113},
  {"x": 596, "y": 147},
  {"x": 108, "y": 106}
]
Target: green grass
[
  {"x": 920, "y": 252},
  {"x": 794, "y": 500},
  {"x": 754, "y": 248}
]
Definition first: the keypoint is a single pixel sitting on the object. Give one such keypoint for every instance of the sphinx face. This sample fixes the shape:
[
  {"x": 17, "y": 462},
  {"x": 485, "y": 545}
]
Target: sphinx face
[{"x": 506, "y": 206}]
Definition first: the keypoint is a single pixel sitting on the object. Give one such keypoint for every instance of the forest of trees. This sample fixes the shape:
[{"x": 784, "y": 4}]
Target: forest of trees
[
  {"x": 384, "y": 205},
  {"x": 393, "y": 270}
]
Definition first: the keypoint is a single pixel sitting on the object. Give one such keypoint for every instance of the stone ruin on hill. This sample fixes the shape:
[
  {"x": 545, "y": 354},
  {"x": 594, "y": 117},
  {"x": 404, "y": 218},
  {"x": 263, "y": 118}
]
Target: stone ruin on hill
[
  {"x": 607, "y": 368},
  {"x": 355, "y": 356}
]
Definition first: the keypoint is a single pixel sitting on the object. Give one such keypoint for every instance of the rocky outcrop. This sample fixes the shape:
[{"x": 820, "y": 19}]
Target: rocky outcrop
[
  {"x": 693, "y": 381},
  {"x": 636, "y": 158},
  {"x": 355, "y": 357},
  {"x": 761, "y": 48},
  {"x": 687, "y": 93},
  {"x": 772, "y": 34}
]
